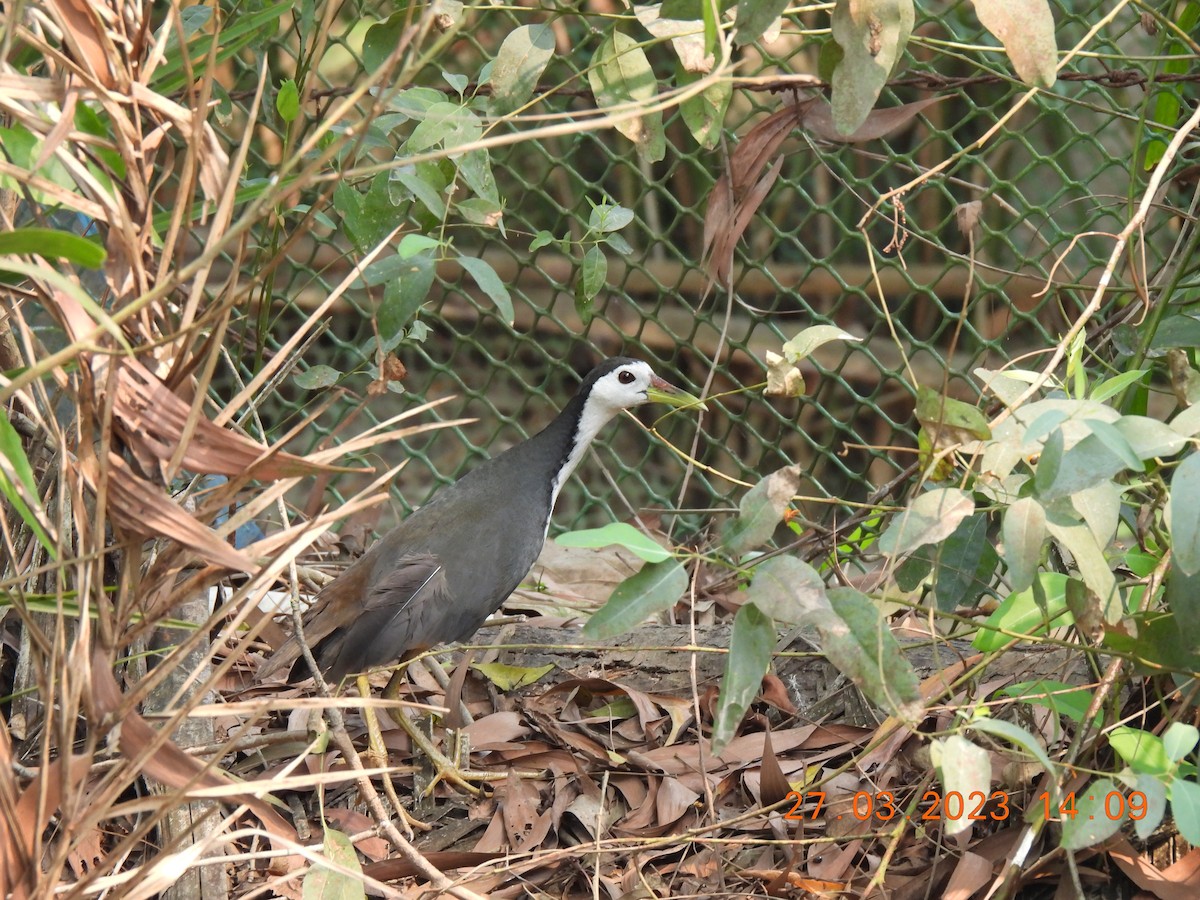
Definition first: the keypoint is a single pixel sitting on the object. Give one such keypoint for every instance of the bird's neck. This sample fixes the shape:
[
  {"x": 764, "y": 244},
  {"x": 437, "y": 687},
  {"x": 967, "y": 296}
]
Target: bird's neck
[{"x": 570, "y": 434}]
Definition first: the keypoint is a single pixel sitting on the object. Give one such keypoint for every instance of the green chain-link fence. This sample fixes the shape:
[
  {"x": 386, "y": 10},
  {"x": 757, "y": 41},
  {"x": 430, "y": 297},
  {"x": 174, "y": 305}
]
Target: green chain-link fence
[{"x": 1052, "y": 182}]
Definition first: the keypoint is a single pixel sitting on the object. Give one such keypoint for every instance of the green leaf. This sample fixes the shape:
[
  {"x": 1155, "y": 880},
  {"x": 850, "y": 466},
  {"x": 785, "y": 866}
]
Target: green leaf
[
  {"x": 1026, "y": 29},
  {"x": 1095, "y": 818},
  {"x": 509, "y": 678},
  {"x": 1162, "y": 639},
  {"x": 606, "y": 217},
  {"x": 860, "y": 644},
  {"x": 52, "y": 244},
  {"x": 520, "y": 62},
  {"x": 1185, "y": 808},
  {"x": 656, "y": 587},
  {"x": 1048, "y": 463},
  {"x": 540, "y": 240},
  {"x": 475, "y": 169},
  {"x": 424, "y": 181},
  {"x": 593, "y": 274},
  {"x": 1183, "y": 600},
  {"x": 704, "y": 113},
  {"x": 872, "y": 35},
  {"x": 317, "y": 377},
  {"x": 348, "y": 203},
  {"x": 950, "y": 421},
  {"x": 1114, "y": 441},
  {"x": 287, "y": 101},
  {"x": 1064, "y": 699},
  {"x": 756, "y": 16},
  {"x": 489, "y": 282},
  {"x": 620, "y": 533},
  {"x": 457, "y": 82},
  {"x": 1149, "y": 438},
  {"x": 750, "y": 646},
  {"x": 1141, "y": 750},
  {"x": 966, "y": 564},
  {"x": 1015, "y": 735},
  {"x": 787, "y": 589},
  {"x": 18, "y": 464},
  {"x": 1110, "y": 387},
  {"x": 1087, "y": 464},
  {"x": 803, "y": 345},
  {"x": 368, "y": 218},
  {"x": 191, "y": 20},
  {"x": 1168, "y": 98},
  {"x": 1183, "y": 514},
  {"x": 415, "y": 102},
  {"x": 620, "y": 74},
  {"x": 404, "y": 295},
  {"x": 1155, "y": 792},
  {"x": 412, "y": 244},
  {"x": 963, "y": 768},
  {"x": 760, "y": 511},
  {"x": 1024, "y": 531},
  {"x": 1020, "y": 614},
  {"x": 447, "y": 124},
  {"x": 236, "y": 33},
  {"x": 323, "y": 883},
  {"x": 479, "y": 211},
  {"x": 1179, "y": 740},
  {"x": 931, "y": 517},
  {"x": 690, "y": 10},
  {"x": 1089, "y": 556},
  {"x": 381, "y": 40}
]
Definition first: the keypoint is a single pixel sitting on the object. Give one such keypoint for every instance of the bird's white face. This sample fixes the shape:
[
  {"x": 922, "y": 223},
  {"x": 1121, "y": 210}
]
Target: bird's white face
[
  {"x": 630, "y": 383},
  {"x": 623, "y": 387}
]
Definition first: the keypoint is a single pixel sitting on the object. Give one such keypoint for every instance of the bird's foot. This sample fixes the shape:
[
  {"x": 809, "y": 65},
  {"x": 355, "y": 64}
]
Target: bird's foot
[
  {"x": 377, "y": 757},
  {"x": 446, "y": 769}
]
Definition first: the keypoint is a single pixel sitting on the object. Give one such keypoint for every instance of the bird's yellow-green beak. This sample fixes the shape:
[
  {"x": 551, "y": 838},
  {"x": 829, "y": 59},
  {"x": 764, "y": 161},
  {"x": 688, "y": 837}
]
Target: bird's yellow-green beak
[{"x": 662, "y": 391}]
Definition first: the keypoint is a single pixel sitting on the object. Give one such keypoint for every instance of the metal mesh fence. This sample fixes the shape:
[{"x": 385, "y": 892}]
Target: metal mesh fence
[{"x": 1052, "y": 183}]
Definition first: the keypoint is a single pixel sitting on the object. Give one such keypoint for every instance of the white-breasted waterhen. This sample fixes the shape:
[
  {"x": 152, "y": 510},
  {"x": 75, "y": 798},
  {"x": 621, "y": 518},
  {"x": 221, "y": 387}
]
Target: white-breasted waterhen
[{"x": 440, "y": 573}]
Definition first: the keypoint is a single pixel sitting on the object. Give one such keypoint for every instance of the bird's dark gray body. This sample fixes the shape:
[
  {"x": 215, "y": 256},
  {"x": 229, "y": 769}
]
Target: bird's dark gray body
[
  {"x": 438, "y": 575},
  {"x": 474, "y": 520}
]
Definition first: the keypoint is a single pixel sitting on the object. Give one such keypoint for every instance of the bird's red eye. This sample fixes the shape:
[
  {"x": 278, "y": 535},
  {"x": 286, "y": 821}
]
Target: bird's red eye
[{"x": 625, "y": 376}]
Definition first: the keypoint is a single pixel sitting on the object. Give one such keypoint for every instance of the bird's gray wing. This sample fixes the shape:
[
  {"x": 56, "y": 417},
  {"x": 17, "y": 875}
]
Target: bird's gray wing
[{"x": 401, "y": 613}]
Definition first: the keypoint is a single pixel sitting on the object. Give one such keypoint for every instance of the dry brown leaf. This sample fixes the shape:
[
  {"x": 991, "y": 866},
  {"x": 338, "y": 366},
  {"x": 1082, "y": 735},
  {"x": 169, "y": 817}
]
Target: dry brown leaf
[
  {"x": 84, "y": 33},
  {"x": 496, "y": 730},
  {"x": 970, "y": 874},
  {"x": 673, "y": 801},
  {"x": 817, "y": 119},
  {"x": 783, "y": 378},
  {"x": 86, "y": 852},
  {"x": 163, "y": 760},
  {"x": 144, "y": 509},
  {"x": 739, "y": 192},
  {"x": 392, "y": 869},
  {"x": 152, "y": 419},
  {"x": 773, "y": 785},
  {"x": 830, "y": 862},
  {"x": 776, "y": 694},
  {"x": 966, "y": 215},
  {"x": 794, "y": 879},
  {"x": 525, "y": 827},
  {"x": 11, "y": 857},
  {"x": 1149, "y": 877},
  {"x": 644, "y": 815},
  {"x": 19, "y": 835}
]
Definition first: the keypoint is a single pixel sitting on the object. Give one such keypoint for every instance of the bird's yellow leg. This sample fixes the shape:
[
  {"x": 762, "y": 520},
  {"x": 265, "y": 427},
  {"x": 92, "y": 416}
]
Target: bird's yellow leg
[
  {"x": 445, "y": 769},
  {"x": 377, "y": 756}
]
